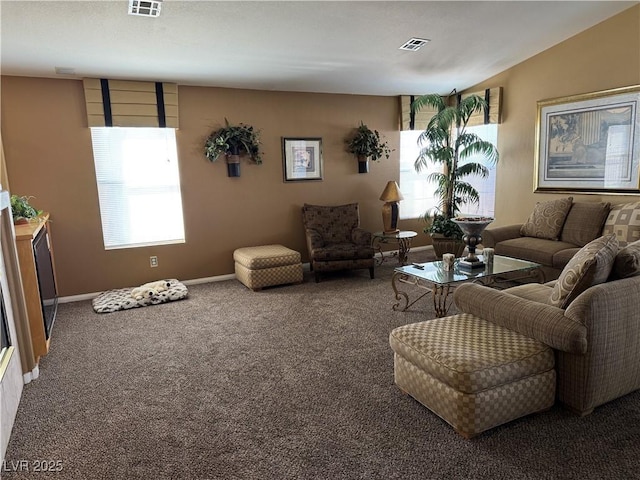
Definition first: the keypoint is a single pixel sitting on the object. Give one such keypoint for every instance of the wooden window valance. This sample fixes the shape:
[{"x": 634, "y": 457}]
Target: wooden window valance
[
  {"x": 419, "y": 120},
  {"x": 127, "y": 103}
]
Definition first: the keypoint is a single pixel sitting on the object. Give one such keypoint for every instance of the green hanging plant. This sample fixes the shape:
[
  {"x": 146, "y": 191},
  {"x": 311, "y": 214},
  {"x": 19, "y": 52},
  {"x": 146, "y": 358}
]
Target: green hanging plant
[
  {"x": 238, "y": 139},
  {"x": 368, "y": 143}
]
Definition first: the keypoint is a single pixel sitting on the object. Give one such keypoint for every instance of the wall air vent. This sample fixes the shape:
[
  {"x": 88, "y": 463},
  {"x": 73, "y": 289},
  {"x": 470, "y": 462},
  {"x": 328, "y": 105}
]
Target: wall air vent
[
  {"x": 145, "y": 8},
  {"x": 414, "y": 44}
]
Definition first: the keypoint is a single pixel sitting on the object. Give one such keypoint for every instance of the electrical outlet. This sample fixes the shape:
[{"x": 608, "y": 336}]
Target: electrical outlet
[{"x": 153, "y": 261}]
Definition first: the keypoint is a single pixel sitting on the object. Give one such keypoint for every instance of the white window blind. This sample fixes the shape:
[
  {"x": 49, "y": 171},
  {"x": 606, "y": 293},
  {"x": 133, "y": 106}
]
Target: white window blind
[
  {"x": 138, "y": 186},
  {"x": 419, "y": 193}
]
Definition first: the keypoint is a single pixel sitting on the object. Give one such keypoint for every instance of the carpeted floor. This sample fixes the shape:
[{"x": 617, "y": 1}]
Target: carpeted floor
[{"x": 293, "y": 382}]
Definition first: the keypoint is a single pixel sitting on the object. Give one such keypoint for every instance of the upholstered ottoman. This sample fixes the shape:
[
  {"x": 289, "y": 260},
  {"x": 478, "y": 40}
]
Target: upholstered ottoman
[
  {"x": 474, "y": 374},
  {"x": 267, "y": 265}
]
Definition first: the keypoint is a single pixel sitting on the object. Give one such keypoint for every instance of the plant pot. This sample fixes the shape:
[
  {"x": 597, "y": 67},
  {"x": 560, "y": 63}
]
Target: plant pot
[
  {"x": 363, "y": 164},
  {"x": 442, "y": 245},
  {"x": 233, "y": 165}
]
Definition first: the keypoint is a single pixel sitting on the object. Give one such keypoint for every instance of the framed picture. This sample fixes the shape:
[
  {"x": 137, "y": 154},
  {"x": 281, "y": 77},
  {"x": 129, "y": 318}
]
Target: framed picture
[
  {"x": 589, "y": 143},
  {"x": 302, "y": 159}
]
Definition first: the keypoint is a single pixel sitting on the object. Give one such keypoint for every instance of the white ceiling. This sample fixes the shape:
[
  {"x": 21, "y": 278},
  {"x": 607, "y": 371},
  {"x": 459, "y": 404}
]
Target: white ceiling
[{"x": 313, "y": 46}]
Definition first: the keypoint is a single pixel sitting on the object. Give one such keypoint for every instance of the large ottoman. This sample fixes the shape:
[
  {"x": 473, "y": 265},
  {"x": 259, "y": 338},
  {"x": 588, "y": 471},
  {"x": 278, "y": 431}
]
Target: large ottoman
[
  {"x": 267, "y": 265},
  {"x": 474, "y": 374}
]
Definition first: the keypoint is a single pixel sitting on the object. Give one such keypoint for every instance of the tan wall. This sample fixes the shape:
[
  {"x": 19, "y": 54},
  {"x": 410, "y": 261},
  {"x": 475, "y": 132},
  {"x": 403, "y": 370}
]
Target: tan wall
[
  {"x": 48, "y": 151},
  {"x": 603, "y": 57}
]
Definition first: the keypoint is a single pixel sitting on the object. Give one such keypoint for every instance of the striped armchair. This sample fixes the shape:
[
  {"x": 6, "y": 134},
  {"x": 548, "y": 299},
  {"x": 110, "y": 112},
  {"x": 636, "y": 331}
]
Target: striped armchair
[{"x": 596, "y": 338}]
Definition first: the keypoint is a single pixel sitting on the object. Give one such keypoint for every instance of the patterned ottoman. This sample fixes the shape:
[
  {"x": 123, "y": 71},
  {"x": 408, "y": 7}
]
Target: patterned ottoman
[
  {"x": 267, "y": 265},
  {"x": 472, "y": 373}
]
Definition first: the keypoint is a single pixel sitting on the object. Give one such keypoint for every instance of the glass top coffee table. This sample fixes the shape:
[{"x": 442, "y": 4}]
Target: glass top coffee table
[{"x": 432, "y": 276}]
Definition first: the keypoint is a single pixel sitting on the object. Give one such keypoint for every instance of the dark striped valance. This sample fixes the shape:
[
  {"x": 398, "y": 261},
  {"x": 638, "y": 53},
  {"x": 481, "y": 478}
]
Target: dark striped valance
[
  {"x": 493, "y": 114},
  {"x": 126, "y": 103},
  {"x": 418, "y": 120},
  {"x": 414, "y": 120}
]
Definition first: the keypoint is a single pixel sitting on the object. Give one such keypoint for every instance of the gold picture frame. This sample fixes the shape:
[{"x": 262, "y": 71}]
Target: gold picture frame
[{"x": 589, "y": 143}]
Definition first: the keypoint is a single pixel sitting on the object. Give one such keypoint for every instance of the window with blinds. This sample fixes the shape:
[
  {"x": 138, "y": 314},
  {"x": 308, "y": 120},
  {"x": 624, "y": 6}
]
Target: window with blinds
[
  {"x": 138, "y": 186},
  {"x": 419, "y": 194}
]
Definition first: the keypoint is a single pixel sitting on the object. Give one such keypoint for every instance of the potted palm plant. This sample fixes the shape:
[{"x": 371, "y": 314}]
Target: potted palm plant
[
  {"x": 447, "y": 143},
  {"x": 367, "y": 144},
  {"x": 234, "y": 141}
]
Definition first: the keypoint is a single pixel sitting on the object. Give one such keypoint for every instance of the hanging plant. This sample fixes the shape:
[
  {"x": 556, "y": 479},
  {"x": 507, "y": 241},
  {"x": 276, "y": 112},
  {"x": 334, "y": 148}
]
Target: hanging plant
[
  {"x": 234, "y": 141},
  {"x": 367, "y": 144}
]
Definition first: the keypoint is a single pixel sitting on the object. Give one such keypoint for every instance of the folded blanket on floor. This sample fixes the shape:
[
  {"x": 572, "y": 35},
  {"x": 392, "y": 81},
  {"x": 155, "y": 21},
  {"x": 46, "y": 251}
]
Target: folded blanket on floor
[{"x": 121, "y": 299}]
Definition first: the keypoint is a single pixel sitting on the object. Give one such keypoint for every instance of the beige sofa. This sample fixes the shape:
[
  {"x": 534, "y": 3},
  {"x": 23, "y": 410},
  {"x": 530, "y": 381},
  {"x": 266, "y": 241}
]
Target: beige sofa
[
  {"x": 511, "y": 353},
  {"x": 596, "y": 336},
  {"x": 556, "y": 230}
]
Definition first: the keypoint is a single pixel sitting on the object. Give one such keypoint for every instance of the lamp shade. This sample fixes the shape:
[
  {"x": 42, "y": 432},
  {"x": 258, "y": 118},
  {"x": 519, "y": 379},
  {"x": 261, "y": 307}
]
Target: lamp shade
[{"x": 391, "y": 193}]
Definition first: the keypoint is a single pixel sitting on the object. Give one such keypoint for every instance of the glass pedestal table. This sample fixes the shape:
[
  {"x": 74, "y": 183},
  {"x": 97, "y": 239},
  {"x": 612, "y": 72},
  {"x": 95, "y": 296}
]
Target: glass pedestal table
[{"x": 433, "y": 278}]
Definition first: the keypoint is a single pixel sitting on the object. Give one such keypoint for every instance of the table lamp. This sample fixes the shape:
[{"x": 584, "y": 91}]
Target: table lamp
[{"x": 391, "y": 196}]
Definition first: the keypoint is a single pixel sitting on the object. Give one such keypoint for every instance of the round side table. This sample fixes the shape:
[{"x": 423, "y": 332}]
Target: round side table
[{"x": 402, "y": 239}]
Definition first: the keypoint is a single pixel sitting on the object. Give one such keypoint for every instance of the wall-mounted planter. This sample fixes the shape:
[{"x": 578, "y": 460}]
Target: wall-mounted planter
[
  {"x": 233, "y": 165},
  {"x": 233, "y": 141},
  {"x": 366, "y": 144},
  {"x": 363, "y": 164}
]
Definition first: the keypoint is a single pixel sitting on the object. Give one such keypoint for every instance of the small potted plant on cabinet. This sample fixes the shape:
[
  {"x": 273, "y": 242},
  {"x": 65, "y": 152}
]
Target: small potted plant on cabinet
[
  {"x": 234, "y": 141},
  {"x": 21, "y": 210},
  {"x": 366, "y": 144},
  {"x": 447, "y": 143}
]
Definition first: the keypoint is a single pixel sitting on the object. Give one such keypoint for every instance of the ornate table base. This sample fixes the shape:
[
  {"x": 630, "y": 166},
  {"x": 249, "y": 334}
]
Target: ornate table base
[
  {"x": 440, "y": 293},
  {"x": 442, "y": 289},
  {"x": 403, "y": 239}
]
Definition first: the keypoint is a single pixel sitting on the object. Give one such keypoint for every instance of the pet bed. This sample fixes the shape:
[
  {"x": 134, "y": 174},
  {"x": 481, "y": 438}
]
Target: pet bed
[{"x": 121, "y": 299}]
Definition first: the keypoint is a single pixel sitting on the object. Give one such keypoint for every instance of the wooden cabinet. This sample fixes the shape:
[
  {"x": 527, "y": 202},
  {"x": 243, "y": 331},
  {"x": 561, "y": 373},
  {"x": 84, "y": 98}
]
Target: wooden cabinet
[{"x": 35, "y": 256}]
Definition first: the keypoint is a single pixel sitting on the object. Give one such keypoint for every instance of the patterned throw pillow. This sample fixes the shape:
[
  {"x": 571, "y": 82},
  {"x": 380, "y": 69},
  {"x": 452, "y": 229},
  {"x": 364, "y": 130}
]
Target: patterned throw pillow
[
  {"x": 547, "y": 219},
  {"x": 590, "y": 266},
  {"x": 627, "y": 262},
  {"x": 624, "y": 221}
]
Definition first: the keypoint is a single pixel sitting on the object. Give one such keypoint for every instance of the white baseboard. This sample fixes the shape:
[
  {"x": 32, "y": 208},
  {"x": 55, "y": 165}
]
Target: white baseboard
[
  {"x": 196, "y": 281},
  {"x": 32, "y": 375},
  {"x": 217, "y": 278}
]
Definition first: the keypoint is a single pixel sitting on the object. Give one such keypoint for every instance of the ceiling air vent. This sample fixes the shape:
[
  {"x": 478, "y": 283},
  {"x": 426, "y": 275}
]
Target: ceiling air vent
[
  {"x": 145, "y": 8},
  {"x": 414, "y": 44}
]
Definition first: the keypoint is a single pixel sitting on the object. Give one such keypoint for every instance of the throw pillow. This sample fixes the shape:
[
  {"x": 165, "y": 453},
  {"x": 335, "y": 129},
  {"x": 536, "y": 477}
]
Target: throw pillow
[
  {"x": 590, "y": 266},
  {"x": 547, "y": 219},
  {"x": 584, "y": 222},
  {"x": 627, "y": 262},
  {"x": 624, "y": 221}
]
